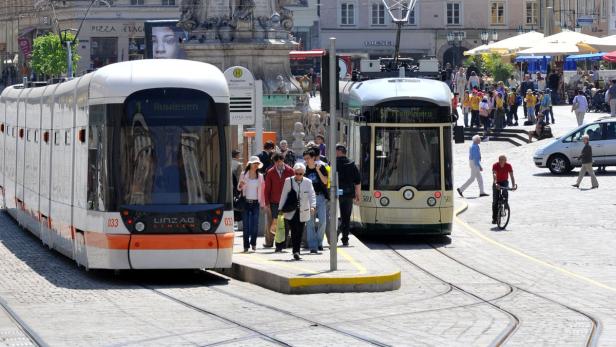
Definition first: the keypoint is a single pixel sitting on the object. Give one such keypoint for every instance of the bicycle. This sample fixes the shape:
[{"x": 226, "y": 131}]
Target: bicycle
[{"x": 502, "y": 207}]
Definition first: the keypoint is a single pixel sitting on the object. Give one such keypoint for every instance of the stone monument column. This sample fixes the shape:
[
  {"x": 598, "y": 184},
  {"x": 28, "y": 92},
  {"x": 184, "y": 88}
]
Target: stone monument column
[{"x": 250, "y": 33}]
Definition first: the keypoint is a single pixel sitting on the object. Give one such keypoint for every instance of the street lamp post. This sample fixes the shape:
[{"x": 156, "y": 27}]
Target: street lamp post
[
  {"x": 484, "y": 36},
  {"x": 455, "y": 40}
]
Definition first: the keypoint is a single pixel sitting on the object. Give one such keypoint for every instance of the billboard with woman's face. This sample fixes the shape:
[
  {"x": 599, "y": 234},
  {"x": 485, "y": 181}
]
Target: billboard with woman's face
[{"x": 163, "y": 40}]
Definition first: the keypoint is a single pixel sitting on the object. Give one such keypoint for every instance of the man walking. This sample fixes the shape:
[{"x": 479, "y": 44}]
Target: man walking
[
  {"x": 274, "y": 181},
  {"x": 612, "y": 98},
  {"x": 586, "y": 158},
  {"x": 476, "y": 169},
  {"x": 349, "y": 181}
]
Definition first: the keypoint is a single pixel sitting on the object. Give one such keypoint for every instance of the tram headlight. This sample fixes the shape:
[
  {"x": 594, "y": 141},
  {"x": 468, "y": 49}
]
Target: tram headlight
[
  {"x": 431, "y": 201},
  {"x": 384, "y": 201},
  {"x": 408, "y": 194},
  {"x": 206, "y": 226},
  {"x": 139, "y": 226}
]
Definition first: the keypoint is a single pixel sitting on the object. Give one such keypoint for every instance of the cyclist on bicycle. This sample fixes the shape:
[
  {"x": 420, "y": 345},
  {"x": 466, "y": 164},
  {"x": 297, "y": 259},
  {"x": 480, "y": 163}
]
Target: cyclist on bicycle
[{"x": 501, "y": 171}]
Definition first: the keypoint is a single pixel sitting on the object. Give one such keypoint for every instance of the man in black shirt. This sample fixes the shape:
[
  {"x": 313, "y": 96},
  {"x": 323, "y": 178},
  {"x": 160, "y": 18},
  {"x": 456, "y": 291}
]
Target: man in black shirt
[
  {"x": 349, "y": 181},
  {"x": 266, "y": 157},
  {"x": 316, "y": 171},
  {"x": 524, "y": 87}
]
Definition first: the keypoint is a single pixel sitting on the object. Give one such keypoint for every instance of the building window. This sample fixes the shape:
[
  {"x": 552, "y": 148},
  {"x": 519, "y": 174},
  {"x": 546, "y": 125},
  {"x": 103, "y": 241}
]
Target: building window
[
  {"x": 168, "y": 2},
  {"x": 347, "y": 13},
  {"x": 453, "y": 13},
  {"x": 136, "y": 48},
  {"x": 136, "y": 2},
  {"x": 413, "y": 16},
  {"x": 103, "y": 51},
  {"x": 378, "y": 14},
  {"x": 497, "y": 13},
  {"x": 531, "y": 12}
]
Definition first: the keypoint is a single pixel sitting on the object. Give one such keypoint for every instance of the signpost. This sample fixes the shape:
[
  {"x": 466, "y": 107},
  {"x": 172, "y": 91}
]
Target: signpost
[{"x": 242, "y": 91}]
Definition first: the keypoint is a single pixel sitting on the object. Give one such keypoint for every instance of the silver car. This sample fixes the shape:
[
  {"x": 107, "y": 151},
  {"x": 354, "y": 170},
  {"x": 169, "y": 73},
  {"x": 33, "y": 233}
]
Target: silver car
[{"x": 561, "y": 155}]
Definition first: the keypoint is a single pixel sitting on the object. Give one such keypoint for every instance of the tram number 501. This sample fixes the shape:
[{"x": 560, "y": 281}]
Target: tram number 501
[{"x": 113, "y": 223}]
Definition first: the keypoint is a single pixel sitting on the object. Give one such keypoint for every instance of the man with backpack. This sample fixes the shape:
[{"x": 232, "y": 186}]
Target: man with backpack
[{"x": 349, "y": 182}]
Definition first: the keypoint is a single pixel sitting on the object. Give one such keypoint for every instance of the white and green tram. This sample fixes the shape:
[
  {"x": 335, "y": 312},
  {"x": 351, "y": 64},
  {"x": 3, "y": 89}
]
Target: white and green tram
[{"x": 398, "y": 132}]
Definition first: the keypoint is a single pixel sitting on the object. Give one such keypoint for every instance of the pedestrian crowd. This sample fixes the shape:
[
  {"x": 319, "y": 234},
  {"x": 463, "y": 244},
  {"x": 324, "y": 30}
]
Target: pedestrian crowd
[{"x": 293, "y": 191}]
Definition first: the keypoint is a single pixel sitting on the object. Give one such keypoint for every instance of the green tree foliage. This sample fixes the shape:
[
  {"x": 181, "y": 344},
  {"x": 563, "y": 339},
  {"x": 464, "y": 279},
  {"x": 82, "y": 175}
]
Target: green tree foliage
[
  {"x": 492, "y": 64},
  {"x": 495, "y": 65},
  {"x": 49, "y": 55}
]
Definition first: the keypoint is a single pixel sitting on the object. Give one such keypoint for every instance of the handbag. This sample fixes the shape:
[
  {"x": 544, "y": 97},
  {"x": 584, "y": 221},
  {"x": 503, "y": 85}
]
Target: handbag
[
  {"x": 239, "y": 203},
  {"x": 292, "y": 201}
]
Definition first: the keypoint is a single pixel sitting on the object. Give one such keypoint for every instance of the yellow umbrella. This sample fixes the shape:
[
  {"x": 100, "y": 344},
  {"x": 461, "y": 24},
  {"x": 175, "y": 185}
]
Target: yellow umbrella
[{"x": 586, "y": 48}]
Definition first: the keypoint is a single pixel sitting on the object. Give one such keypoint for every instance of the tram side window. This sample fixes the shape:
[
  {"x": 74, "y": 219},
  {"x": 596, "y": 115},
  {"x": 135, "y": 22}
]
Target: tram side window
[
  {"x": 407, "y": 157},
  {"x": 99, "y": 149},
  {"x": 447, "y": 145}
]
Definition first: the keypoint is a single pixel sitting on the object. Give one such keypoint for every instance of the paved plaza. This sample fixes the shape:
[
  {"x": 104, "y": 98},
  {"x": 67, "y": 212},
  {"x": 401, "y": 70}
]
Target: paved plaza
[{"x": 547, "y": 280}]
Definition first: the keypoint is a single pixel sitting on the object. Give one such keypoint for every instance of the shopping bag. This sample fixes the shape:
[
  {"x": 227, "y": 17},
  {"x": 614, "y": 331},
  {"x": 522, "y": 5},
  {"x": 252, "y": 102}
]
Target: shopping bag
[{"x": 280, "y": 229}]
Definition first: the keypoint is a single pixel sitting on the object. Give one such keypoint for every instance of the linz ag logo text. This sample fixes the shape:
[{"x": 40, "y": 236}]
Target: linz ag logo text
[{"x": 174, "y": 220}]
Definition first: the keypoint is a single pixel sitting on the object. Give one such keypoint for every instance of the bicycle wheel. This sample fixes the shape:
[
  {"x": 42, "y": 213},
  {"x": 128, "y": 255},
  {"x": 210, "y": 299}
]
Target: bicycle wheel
[{"x": 503, "y": 215}]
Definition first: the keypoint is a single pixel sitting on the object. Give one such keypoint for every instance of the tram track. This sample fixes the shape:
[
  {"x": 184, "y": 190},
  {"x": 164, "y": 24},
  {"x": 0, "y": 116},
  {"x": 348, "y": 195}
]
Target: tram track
[
  {"x": 26, "y": 329},
  {"x": 262, "y": 334},
  {"x": 595, "y": 329},
  {"x": 514, "y": 320}
]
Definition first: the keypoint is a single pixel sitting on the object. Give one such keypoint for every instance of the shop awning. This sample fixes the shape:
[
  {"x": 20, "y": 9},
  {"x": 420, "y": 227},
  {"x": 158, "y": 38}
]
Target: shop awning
[
  {"x": 591, "y": 57},
  {"x": 300, "y": 55},
  {"x": 611, "y": 57},
  {"x": 527, "y": 58}
]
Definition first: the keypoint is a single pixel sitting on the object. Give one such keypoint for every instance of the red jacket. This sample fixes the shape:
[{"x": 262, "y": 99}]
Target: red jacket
[{"x": 274, "y": 183}]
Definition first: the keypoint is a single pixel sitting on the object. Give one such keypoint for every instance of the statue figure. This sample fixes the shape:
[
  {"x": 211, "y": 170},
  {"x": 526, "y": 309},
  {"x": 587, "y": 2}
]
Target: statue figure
[
  {"x": 189, "y": 15},
  {"x": 298, "y": 138},
  {"x": 281, "y": 87},
  {"x": 244, "y": 10}
]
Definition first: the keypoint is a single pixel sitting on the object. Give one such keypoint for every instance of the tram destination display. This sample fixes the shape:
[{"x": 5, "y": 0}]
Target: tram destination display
[{"x": 411, "y": 112}]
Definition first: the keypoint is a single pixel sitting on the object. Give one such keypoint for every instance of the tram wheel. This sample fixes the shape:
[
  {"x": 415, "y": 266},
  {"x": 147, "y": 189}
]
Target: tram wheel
[{"x": 503, "y": 216}]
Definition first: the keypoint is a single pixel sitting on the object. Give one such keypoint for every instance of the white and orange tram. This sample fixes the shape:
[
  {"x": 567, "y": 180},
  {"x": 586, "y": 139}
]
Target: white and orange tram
[{"x": 126, "y": 167}]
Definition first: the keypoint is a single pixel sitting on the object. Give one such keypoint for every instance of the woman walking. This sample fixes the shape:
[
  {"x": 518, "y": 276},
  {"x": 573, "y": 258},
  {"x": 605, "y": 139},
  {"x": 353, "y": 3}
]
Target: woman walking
[
  {"x": 251, "y": 187},
  {"x": 305, "y": 208},
  {"x": 484, "y": 113},
  {"x": 317, "y": 173},
  {"x": 579, "y": 105}
]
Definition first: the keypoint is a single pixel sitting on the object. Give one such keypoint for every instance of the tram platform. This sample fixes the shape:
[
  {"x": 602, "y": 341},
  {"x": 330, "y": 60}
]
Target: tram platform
[{"x": 359, "y": 269}]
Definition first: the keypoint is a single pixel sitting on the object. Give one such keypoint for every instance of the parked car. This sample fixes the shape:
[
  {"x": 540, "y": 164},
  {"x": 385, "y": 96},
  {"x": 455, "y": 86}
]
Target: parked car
[{"x": 561, "y": 155}]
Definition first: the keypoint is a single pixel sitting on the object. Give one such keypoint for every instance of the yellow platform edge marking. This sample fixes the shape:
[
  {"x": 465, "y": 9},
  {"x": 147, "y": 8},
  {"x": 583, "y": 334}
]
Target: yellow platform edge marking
[
  {"x": 527, "y": 256},
  {"x": 360, "y": 268},
  {"x": 296, "y": 282}
]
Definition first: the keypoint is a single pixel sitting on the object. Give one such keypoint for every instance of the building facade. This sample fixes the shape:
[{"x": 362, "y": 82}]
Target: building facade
[{"x": 364, "y": 27}]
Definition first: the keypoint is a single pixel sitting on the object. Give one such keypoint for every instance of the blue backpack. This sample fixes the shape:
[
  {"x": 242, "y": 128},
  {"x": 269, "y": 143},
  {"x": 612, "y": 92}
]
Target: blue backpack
[{"x": 518, "y": 100}]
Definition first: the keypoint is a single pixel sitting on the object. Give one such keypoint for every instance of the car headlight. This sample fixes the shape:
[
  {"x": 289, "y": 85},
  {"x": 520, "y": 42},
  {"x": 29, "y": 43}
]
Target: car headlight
[{"x": 539, "y": 152}]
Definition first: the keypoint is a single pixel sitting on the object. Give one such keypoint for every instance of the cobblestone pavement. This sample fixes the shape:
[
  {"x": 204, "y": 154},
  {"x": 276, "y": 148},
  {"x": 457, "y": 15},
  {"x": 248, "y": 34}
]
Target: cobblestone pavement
[{"x": 544, "y": 281}]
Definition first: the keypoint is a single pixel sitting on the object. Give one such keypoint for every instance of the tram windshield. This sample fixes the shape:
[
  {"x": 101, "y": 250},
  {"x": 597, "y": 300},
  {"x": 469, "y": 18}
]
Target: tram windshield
[
  {"x": 170, "y": 149},
  {"x": 407, "y": 157}
]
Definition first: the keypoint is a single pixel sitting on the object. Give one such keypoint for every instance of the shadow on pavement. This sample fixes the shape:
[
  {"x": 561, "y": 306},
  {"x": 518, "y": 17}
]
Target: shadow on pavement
[
  {"x": 574, "y": 174},
  {"x": 416, "y": 241},
  {"x": 63, "y": 272}
]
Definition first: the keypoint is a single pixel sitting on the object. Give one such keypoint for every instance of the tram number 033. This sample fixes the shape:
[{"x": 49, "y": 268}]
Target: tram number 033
[{"x": 113, "y": 223}]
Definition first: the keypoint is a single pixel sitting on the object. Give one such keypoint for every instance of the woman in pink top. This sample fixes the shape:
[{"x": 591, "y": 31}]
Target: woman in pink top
[{"x": 251, "y": 186}]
